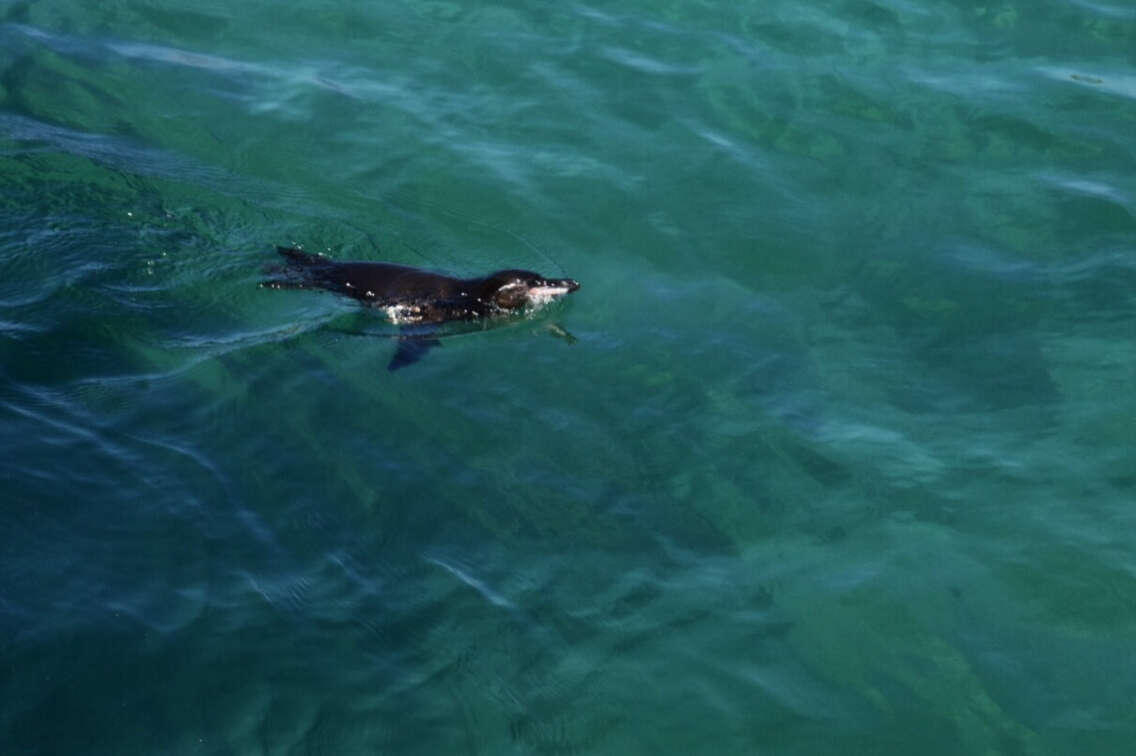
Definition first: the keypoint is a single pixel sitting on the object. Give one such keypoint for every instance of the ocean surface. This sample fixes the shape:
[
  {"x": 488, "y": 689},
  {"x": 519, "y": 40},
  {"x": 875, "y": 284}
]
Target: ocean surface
[{"x": 834, "y": 451}]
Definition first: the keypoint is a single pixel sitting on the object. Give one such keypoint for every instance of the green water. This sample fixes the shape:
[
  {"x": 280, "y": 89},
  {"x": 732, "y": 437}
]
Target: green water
[{"x": 840, "y": 456}]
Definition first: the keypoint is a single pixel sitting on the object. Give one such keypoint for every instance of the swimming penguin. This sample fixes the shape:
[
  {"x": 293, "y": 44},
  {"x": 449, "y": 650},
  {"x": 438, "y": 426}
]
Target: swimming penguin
[{"x": 414, "y": 297}]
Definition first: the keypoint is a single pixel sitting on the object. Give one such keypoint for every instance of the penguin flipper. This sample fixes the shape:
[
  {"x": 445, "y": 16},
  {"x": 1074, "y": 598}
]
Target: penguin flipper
[{"x": 411, "y": 349}]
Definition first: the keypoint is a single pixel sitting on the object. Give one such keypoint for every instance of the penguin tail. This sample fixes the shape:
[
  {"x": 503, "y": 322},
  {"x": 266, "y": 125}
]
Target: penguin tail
[
  {"x": 295, "y": 273},
  {"x": 299, "y": 257}
]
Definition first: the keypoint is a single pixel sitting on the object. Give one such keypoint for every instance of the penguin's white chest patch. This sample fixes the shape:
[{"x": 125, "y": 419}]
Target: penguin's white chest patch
[{"x": 400, "y": 313}]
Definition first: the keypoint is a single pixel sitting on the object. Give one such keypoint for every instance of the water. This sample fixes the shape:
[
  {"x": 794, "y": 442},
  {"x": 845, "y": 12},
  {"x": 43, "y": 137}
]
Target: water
[{"x": 840, "y": 460}]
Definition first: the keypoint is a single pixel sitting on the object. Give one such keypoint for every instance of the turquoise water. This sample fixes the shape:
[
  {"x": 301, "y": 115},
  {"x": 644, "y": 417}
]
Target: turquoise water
[{"x": 840, "y": 456}]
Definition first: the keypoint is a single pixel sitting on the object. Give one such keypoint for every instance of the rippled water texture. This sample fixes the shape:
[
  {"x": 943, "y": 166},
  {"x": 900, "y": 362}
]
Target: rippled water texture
[{"x": 833, "y": 451}]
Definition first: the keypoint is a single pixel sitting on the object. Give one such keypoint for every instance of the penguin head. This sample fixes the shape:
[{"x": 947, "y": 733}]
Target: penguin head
[{"x": 517, "y": 289}]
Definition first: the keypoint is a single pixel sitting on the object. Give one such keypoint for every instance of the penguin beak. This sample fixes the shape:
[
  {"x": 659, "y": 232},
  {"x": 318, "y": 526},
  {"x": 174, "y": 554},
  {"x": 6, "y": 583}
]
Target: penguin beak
[
  {"x": 552, "y": 289},
  {"x": 561, "y": 286}
]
